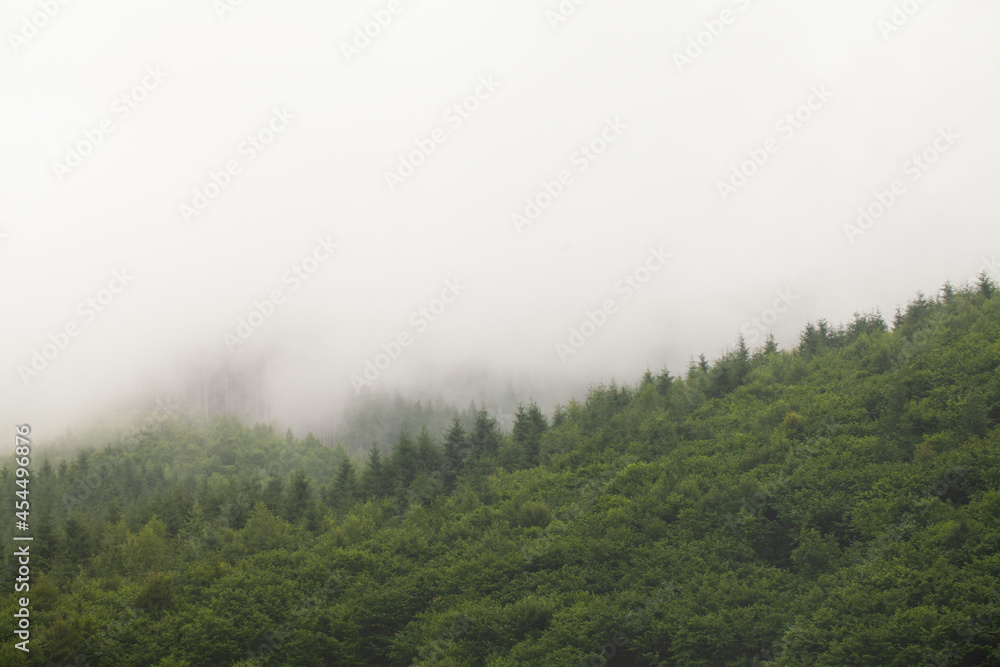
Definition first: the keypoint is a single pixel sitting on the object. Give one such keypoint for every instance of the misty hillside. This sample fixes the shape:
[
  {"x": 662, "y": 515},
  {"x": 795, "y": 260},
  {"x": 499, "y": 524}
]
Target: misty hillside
[{"x": 833, "y": 504}]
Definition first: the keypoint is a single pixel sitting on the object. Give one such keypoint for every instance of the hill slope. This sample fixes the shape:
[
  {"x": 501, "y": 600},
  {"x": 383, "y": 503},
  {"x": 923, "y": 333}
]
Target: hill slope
[{"x": 830, "y": 505}]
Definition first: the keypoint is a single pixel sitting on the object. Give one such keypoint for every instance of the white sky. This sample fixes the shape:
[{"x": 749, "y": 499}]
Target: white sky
[{"x": 656, "y": 185}]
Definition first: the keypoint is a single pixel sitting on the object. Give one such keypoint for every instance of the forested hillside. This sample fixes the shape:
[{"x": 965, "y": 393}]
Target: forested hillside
[{"x": 834, "y": 504}]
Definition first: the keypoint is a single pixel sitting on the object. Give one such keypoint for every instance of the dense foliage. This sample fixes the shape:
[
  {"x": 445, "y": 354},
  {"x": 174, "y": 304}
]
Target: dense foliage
[{"x": 835, "y": 504}]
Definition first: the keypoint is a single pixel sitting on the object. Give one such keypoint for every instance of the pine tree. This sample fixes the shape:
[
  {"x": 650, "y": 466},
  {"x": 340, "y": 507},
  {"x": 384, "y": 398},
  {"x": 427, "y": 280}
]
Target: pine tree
[
  {"x": 46, "y": 473},
  {"x": 273, "y": 493},
  {"x": 485, "y": 438},
  {"x": 529, "y": 426},
  {"x": 373, "y": 479},
  {"x": 469, "y": 417},
  {"x": 403, "y": 461},
  {"x": 823, "y": 331},
  {"x": 770, "y": 346},
  {"x": 647, "y": 378},
  {"x": 730, "y": 371},
  {"x": 456, "y": 450},
  {"x": 691, "y": 369},
  {"x": 194, "y": 533},
  {"x": 948, "y": 292},
  {"x": 298, "y": 499},
  {"x": 742, "y": 353},
  {"x": 47, "y": 542},
  {"x": 79, "y": 542},
  {"x": 663, "y": 382},
  {"x": 114, "y": 511},
  {"x": 428, "y": 456},
  {"x": 559, "y": 416},
  {"x": 810, "y": 340},
  {"x": 344, "y": 489},
  {"x": 984, "y": 285}
]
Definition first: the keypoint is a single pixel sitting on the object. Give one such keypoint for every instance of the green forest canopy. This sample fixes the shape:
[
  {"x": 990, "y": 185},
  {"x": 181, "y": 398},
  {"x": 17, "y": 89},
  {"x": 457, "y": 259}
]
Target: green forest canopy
[{"x": 834, "y": 504}]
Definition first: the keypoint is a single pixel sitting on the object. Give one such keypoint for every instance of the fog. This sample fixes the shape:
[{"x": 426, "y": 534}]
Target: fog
[{"x": 213, "y": 176}]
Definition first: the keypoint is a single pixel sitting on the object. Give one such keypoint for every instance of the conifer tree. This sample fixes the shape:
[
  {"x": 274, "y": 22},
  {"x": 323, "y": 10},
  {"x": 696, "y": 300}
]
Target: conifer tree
[
  {"x": 559, "y": 416},
  {"x": 273, "y": 493},
  {"x": 428, "y": 457},
  {"x": 402, "y": 464},
  {"x": 663, "y": 382},
  {"x": 485, "y": 438},
  {"x": 344, "y": 489},
  {"x": 770, "y": 346},
  {"x": 373, "y": 479},
  {"x": 985, "y": 285},
  {"x": 456, "y": 452},
  {"x": 529, "y": 426},
  {"x": 298, "y": 499}
]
